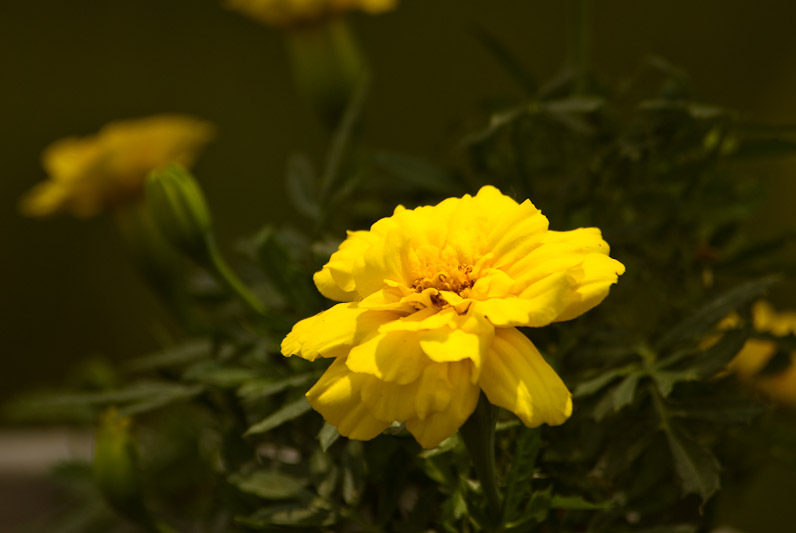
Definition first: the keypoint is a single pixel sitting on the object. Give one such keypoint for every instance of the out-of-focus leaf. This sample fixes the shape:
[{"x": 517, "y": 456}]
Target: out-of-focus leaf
[
  {"x": 327, "y": 436},
  {"x": 269, "y": 485},
  {"x": 186, "y": 352},
  {"x": 518, "y": 486},
  {"x": 715, "y": 359},
  {"x": 720, "y": 409},
  {"x": 287, "y": 413},
  {"x": 589, "y": 387},
  {"x": 295, "y": 515},
  {"x": 226, "y": 377},
  {"x": 625, "y": 391},
  {"x": 510, "y": 62},
  {"x": 576, "y": 503},
  {"x": 700, "y": 323},
  {"x": 415, "y": 172},
  {"x": 535, "y": 512},
  {"x": 697, "y": 468},
  {"x": 300, "y": 184},
  {"x": 261, "y": 388},
  {"x": 665, "y": 380}
]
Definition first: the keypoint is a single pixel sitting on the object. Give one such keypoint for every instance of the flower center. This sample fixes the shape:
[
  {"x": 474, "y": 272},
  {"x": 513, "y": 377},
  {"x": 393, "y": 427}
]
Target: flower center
[{"x": 441, "y": 270}]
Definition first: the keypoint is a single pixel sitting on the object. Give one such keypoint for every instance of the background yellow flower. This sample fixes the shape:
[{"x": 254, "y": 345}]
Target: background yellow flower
[
  {"x": 89, "y": 174},
  {"x": 290, "y": 12},
  {"x": 434, "y": 298},
  {"x": 757, "y": 353}
]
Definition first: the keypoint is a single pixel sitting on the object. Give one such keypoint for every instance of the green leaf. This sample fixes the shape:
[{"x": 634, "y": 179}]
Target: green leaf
[
  {"x": 589, "y": 387},
  {"x": 518, "y": 485},
  {"x": 700, "y": 323},
  {"x": 300, "y": 184},
  {"x": 697, "y": 468},
  {"x": 269, "y": 485},
  {"x": 289, "y": 412},
  {"x": 211, "y": 374},
  {"x": 765, "y": 148},
  {"x": 262, "y": 388},
  {"x": 415, "y": 172},
  {"x": 327, "y": 436},
  {"x": 576, "y": 503},
  {"x": 296, "y": 515},
  {"x": 715, "y": 359},
  {"x": 624, "y": 392},
  {"x": 509, "y": 61},
  {"x": 535, "y": 512},
  {"x": 186, "y": 352},
  {"x": 666, "y": 380}
]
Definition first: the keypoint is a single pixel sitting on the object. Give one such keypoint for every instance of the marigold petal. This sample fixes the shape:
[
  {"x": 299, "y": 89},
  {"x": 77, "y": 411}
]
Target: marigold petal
[
  {"x": 331, "y": 333},
  {"x": 337, "y": 397},
  {"x": 591, "y": 282},
  {"x": 389, "y": 401},
  {"x": 395, "y": 357},
  {"x": 538, "y": 306},
  {"x": 336, "y": 279},
  {"x": 516, "y": 377},
  {"x": 445, "y": 399}
]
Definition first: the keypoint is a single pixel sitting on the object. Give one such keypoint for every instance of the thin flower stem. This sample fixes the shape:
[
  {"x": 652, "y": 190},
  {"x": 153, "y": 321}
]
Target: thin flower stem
[
  {"x": 478, "y": 434},
  {"x": 216, "y": 263}
]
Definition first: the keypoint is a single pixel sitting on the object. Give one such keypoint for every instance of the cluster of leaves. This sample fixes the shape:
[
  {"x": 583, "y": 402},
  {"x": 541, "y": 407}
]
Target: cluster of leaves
[{"x": 223, "y": 439}]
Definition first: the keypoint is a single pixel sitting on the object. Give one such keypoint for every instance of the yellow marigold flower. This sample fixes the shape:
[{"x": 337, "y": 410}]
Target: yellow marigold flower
[
  {"x": 756, "y": 354},
  {"x": 434, "y": 296},
  {"x": 89, "y": 174},
  {"x": 294, "y": 12}
]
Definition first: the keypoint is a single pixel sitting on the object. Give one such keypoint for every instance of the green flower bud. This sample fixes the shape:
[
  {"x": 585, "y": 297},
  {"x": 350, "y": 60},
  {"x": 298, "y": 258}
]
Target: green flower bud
[
  {"x": 179, "y": 207},
  {"x": 115, "y": 466}
]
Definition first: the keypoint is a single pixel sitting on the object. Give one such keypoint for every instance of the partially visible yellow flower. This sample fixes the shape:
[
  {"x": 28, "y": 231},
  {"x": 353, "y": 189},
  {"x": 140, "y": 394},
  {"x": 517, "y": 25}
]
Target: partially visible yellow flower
[
  {"x": 89, "y": 174},
  {"x": 756, "y": 354},
  {"x": 293, "y": 12},
  {"x": 434, "y": 298}
]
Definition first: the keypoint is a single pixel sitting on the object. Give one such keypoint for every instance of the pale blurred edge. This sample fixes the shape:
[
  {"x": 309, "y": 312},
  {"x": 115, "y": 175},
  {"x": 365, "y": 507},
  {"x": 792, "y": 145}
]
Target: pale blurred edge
[{"x": 35, "y": 451}]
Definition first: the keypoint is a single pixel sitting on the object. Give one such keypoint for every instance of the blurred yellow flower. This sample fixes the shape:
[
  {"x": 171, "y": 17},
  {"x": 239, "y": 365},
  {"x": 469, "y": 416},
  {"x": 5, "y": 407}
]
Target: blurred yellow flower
[
  {"x": 89, "y": 174},
  {"x": 434, "y": 298},
  {"x": 756, "y": 354},
  {"x": 293, "y": 12}
]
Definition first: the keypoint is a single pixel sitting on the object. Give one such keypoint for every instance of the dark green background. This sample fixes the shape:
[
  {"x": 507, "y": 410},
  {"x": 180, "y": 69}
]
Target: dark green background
[{"x": 69, "y": 67}]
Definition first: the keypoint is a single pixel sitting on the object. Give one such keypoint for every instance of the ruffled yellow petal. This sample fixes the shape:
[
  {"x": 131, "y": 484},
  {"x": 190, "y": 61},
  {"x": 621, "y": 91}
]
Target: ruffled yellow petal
[
  {"x": 538, "y": 306},
  {"x": 336, "y": 280},
  {"x": 333, "y": 332},
  {"x": 445, "y": 399},
  {"x": 395, "y": 357},
  {"x": 516, "y": 377},
  {"x": 590, "y": 283},
  {"x": 337, "y": 397}
]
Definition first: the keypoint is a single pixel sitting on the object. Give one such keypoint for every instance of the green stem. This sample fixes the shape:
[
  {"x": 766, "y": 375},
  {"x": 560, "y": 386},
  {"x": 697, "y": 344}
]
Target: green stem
[
  {"x": 478, "y": 434},
  {"x": 215, "y": 262}
]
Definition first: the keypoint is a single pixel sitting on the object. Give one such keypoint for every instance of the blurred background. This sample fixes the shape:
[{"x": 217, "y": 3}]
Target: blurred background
[{"x": 69, "y": 67}]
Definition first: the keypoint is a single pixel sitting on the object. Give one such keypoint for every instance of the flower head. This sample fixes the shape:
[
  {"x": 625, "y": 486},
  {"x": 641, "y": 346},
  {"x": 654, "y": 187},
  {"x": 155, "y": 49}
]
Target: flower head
[
  {"x": 293, "y": 12},
  {"x": 89, "y": 174},
  {"x": 434, "y": 296},
  {"x": 757, "y": 353}
]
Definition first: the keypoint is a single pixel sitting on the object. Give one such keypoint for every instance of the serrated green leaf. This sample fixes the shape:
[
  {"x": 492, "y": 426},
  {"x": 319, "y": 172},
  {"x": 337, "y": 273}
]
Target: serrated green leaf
[
  {"x": 705, "y": 319},
  {"x": 535, "y": 512},
  {"x": 269, "y": 485},
  {"x": 666, "y": 380},
  {"x": 625, "y": 392},
  {"x": 589, "y": 387},
  {"x": 518, "y": 486},
  {"x": 289, "y": 412},
  {"x": 697, "y": 468}
]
